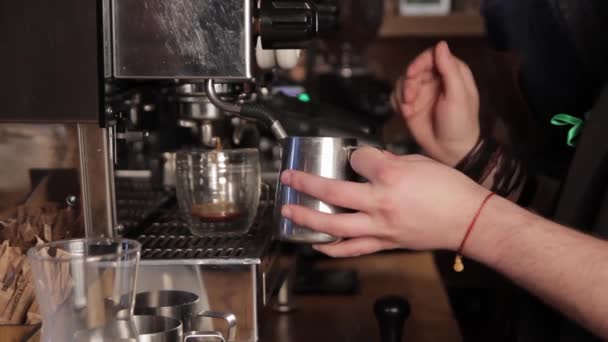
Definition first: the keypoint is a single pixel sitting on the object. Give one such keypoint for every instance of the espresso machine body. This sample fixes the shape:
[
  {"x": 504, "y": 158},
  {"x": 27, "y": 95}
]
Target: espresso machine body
[
  {"x": 106, "y": 69},
  {"x": 180, "y": 39}
]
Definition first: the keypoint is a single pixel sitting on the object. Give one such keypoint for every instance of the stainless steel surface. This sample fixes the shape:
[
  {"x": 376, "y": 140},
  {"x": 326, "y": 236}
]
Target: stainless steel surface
[
  {"x": 207, "y": 336},
  {"x": 97, "y": 181},
  {"x": 276, "y": 127},
  {"x": 278, "y": 131},
  {"x": 106, "y": 17},
  {"x": 283, "y": 302},
  {"x": 182, "y": 39},
  {"x": 208, "y": 138},
  {"x": 194, "y": 110},
  {"x": 229, "y": 318},
  {"x": 50, "y": 62},
  {"x": 193, "y": 102},
  {"x": 325, "y": 157},
  {"x": 186, "y": 123},
  {"x": 169, "y": 170},
  {"x": 226, "y": 287},
  {"x": 179, "y": 305},
  {"x": 157, "y": 329},
  {"x": 119, "y": 331},
  {"x": 144, "y": 328},
  {"x": 233, "y": 274},
  {"x": 219, "y": 103},
  {"x": 173, "y": 241}
]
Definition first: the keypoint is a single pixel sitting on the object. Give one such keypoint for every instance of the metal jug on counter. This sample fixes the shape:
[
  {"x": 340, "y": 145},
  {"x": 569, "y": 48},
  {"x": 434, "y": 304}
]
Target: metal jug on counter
[{"x": 149, "y": 329}]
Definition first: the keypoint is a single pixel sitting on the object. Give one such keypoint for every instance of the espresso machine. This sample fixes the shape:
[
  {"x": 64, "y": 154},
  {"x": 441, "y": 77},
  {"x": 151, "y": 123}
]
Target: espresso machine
[{"x": 136, "y": 81}]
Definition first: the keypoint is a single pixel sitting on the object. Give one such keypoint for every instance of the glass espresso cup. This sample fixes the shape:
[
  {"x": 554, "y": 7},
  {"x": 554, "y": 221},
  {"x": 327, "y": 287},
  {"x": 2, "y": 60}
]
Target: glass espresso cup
[{"x": 218, "y": 192}]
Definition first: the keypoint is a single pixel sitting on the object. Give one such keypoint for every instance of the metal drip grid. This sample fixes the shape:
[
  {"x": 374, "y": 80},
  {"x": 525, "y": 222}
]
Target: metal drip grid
[{"x": 172, "y": 240}]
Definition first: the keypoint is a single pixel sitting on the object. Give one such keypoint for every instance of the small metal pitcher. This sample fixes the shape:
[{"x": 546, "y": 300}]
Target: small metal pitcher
[
  {"x": 149, "y": 329},
  {"x": 182, "y": 306}
]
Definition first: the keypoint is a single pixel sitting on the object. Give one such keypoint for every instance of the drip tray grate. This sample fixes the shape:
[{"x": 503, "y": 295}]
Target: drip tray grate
[{"x": 173, "y": 241}]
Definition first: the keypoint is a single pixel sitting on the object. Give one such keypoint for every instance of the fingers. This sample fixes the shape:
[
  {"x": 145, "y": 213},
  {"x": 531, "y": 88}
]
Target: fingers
[
  {"x": 423, "y": 63},
  {"x": 341, "y": 193},
  {"x": 372, "y": 164},
  {"x": 355, "y": 247},
  {"x": 410, "y": 90},
  {"x": 420, "y": 124},
  {"x": 469, "y": 79},
  {"x": 395, "y": 105},
  {"x": 396, "y": 96},
  {"x": 407, "y": 87},
  {"x": 340, "y": 225},
  {"x": 426, "y": 98},
  {"x": 449, "y": 68},
  {"x": 399, "y": 89},
  {"x": 413, "y": 158}
]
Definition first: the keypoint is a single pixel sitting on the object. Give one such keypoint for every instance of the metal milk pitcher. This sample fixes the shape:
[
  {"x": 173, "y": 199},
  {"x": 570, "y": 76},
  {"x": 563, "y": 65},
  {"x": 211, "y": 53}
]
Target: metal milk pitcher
[{"x": 325, "y": 157}]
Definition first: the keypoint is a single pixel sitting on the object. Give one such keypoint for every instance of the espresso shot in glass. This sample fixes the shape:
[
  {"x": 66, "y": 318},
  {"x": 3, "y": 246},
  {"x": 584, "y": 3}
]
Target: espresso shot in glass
[{"x": 218, "y": 191}]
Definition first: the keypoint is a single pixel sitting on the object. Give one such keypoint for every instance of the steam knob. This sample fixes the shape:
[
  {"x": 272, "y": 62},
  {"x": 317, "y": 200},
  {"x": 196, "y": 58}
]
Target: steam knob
[
  {"x": 391, "y": 313},
  {"x": 289, "y": 24}
]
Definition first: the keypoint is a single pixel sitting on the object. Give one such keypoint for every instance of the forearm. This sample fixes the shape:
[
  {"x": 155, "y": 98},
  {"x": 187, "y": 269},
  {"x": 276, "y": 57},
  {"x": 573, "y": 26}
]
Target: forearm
[{"x": 567, "y": 269}]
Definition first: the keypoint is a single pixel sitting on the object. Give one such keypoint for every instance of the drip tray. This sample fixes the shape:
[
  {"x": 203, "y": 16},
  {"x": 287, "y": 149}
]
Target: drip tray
[
  {"x": 149, "y": 215},
  {"x": 173, "y": 241}
]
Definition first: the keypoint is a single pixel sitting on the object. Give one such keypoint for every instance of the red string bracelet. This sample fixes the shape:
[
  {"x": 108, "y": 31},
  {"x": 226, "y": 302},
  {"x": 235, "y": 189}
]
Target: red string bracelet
[{"x": 458, "y": 265}]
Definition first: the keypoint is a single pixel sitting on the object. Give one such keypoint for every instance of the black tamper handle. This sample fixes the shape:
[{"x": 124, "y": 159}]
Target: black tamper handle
[{"x": 391, "y": 313}]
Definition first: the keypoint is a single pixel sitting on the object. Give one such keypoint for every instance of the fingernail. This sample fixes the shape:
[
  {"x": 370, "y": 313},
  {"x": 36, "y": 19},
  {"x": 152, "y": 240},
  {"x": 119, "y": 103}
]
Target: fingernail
[
  {"x": 286, "y": 177},
  {"x": 318, "y": 248},
  {"x": 286, "y": 212},
  {"x": 447, "y": 47}
]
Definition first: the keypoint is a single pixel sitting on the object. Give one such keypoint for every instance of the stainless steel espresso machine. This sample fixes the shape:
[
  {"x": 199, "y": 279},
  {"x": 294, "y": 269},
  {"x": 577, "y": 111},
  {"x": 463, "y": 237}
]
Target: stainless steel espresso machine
[{"x": 129, "y": 77}]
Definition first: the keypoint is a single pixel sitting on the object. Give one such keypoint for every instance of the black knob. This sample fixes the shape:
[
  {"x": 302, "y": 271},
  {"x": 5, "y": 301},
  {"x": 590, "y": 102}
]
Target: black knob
[
  {"x": 290, "y": 24},
  {"x": 391, "y": 313}
]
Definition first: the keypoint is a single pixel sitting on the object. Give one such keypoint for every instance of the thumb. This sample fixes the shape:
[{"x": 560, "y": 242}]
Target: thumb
[{"x": 448, "y": 68}]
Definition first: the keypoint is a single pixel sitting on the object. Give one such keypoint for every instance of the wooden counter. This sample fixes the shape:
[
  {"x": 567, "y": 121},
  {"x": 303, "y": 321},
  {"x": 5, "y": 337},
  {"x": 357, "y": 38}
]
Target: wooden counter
[
  {"x": 19, "y": 333},
  {"x": 350, "y": 318}
]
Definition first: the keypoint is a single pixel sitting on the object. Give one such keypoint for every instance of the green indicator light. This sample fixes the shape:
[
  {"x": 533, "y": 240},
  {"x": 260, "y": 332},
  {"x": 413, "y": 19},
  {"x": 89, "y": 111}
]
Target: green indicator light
[{"x": 304, "y": 97}]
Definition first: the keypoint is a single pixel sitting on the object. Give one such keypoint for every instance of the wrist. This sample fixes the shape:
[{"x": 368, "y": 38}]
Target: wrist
[
  {"x": 461, "y": 224},
  {"x": 458, "y": 151},
  {"x": 499, "y": 224}
]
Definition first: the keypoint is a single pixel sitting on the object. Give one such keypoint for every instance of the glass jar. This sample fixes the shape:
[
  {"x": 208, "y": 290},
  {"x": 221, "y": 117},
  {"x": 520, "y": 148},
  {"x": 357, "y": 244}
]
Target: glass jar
[{"x": 84, "y": 284}]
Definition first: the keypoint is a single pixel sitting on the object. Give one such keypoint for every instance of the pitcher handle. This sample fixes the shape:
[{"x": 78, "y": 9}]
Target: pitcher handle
[
  {"x": 205, "y": 335},
  {"x": 228, "y": 317}
]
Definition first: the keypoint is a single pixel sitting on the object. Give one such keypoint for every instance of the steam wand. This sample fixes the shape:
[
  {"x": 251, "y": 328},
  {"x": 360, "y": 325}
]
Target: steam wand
[{"x": 247, "y": 110}]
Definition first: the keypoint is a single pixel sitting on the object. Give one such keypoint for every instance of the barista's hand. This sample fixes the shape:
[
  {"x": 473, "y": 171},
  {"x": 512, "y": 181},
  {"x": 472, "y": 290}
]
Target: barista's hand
[
  {"x": 439, "y": 100},
  {"x": 410, "y": 202}
]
